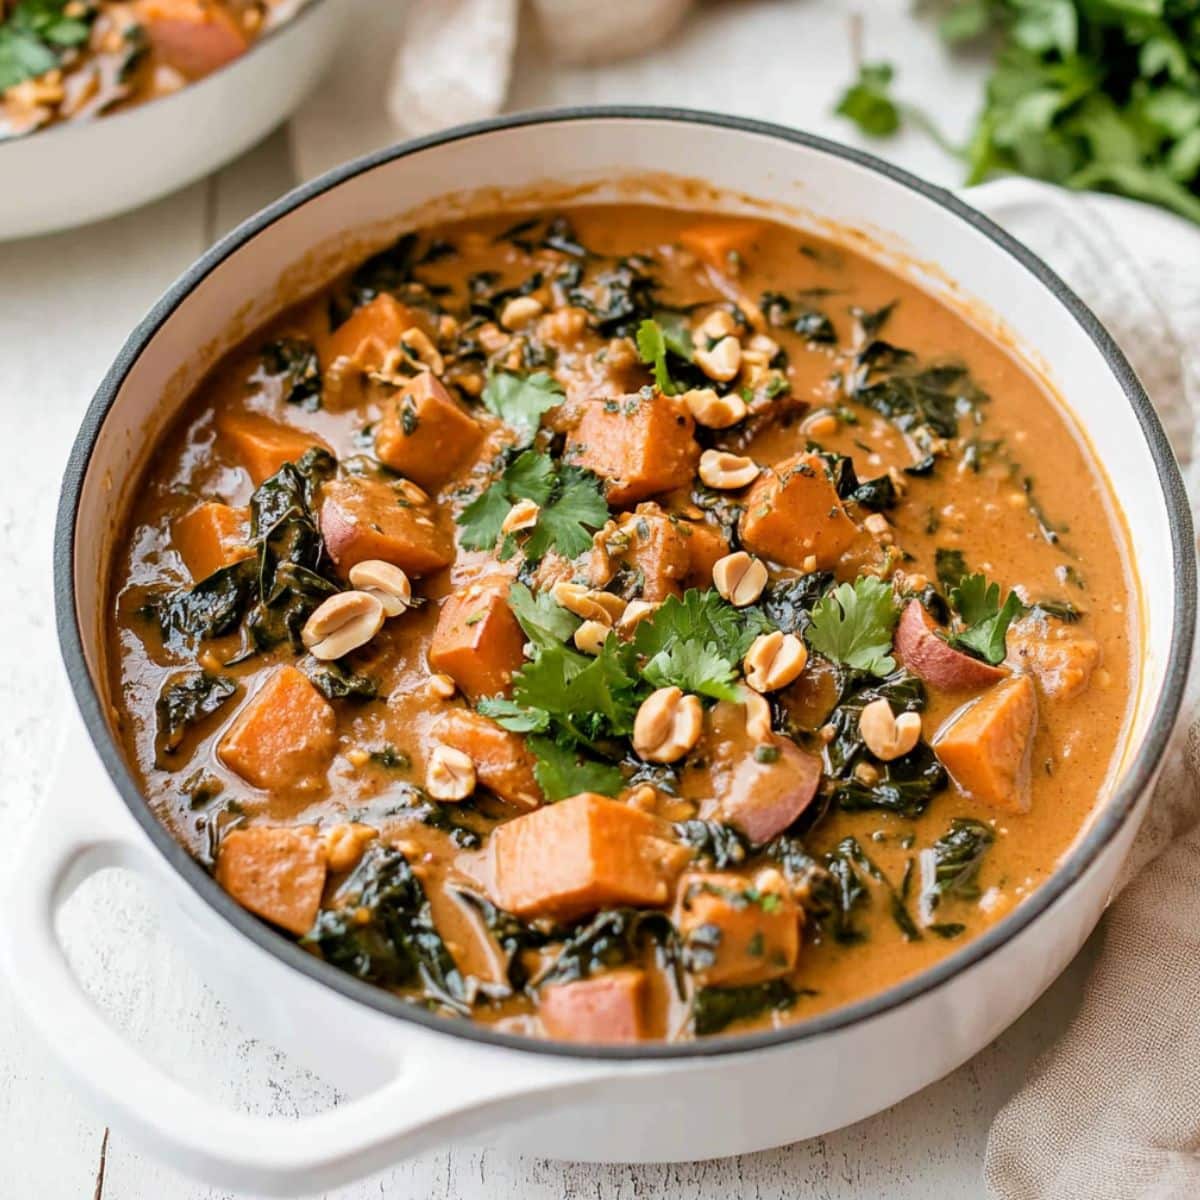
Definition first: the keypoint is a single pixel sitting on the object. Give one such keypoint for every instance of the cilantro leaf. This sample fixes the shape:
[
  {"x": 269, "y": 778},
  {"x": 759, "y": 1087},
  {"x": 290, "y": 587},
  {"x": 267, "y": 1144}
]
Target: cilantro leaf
[
  {"x": 652, "y": 347},
  {"x": 561, "y": 771},
  {"x": 32, "y": 37},
  {"x": 868, "y": 103},
  {"x": 513, "y": 716},
  {"x": 853, "y": 625},
  {"x": 520, "y": 401},
  {"x": 693, "y": 667},
  {"x": 569, "y": 516},
  {"x": 987, "y": 620},
  {"x": 571, "y": 503},
  {"x": 702, "y": 617},
  {"x": 482, "y": 518},
  {"x": 545, "y": 621}
]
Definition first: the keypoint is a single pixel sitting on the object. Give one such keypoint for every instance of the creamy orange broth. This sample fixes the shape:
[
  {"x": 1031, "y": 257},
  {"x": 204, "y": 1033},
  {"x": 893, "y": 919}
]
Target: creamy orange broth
[{"x": 1030, "y": 472}]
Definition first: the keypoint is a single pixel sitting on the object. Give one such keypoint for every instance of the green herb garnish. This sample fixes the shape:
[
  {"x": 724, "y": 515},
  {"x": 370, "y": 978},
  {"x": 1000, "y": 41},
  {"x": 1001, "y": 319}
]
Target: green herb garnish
[
  {"x": 853, "y": 625},
  {"x": 521, "y": 401},
  {"x": 987, "y": 620}
]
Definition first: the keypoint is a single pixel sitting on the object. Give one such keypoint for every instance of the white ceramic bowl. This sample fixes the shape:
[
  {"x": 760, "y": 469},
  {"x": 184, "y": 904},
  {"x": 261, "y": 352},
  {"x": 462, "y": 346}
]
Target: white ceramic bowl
[
  {"x": 74, "y": 173},
  {"x": 418, "y": 1078}
]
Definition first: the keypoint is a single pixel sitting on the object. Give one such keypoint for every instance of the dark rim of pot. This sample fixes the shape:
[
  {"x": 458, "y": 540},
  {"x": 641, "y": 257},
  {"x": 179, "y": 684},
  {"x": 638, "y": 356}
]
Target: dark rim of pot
[{"x": 1136, "y": 780}]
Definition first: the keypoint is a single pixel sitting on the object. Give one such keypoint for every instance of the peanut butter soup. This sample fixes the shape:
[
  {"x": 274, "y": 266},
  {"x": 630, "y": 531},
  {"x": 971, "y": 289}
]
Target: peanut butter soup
[{"x": 622, "y": 623}]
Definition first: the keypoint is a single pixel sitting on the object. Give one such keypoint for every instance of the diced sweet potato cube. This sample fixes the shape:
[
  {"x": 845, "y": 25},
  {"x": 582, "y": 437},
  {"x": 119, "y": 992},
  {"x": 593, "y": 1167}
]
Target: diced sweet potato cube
[
  {"x": 638, "y": 444},
  {"x": 478, "y": 642},
  {"x": 648, "y": 547},
  {"x": 706, "y": 544},
  {"x": 425, "y": 433},
  {"x": 262, "y": 445},
  {"x": 737, "y": 932},
  {"x": 793, "y": 513},
  {"x": 211, "y": 536},
  {"x": 716, "y": 242},
  {"x": 986, "y": 747},
  {"x": 365, "y": 518},
  {"x": 193, "y": 37},
  {"x": 605, "y": 1008},
  {"x": 503, "y": 761},
  {"x": 368, "y": 333},
  {"x": 583, "y": 854},
  {"x": 285, "y": 735},
  {"x": 275, "y": 872},
  {"x": 1061, "y": 660}
]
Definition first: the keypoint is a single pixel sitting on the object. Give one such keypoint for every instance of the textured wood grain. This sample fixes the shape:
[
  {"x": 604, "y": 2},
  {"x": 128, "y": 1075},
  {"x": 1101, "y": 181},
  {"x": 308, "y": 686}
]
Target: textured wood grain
[{"x": 65, "y": 305}]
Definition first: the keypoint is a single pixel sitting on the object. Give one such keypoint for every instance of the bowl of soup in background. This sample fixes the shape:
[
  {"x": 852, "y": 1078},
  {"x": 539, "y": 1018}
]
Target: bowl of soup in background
[{"x": 418, "y": 1078}]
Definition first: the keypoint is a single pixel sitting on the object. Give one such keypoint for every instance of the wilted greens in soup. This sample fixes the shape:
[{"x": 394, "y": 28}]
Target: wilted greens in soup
[{"x": 620, "y": 623}]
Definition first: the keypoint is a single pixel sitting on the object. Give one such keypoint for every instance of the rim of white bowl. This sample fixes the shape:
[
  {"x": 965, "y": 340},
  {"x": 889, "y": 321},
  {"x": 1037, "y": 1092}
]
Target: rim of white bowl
[{"x": 1137, "y": 777}]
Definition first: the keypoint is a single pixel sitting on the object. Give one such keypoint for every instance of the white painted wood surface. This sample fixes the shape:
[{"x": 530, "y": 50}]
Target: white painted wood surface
[{"x": 66, "y": 303}]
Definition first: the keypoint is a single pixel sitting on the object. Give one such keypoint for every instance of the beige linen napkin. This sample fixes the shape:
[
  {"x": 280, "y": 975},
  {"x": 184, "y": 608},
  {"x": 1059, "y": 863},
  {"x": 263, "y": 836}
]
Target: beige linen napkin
[{"x": 1112, "y": 1110}]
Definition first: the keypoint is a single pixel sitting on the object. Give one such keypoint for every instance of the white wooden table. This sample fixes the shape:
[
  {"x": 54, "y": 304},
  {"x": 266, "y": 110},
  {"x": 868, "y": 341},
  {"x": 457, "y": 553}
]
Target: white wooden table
[{"x": 66, "y": 303}]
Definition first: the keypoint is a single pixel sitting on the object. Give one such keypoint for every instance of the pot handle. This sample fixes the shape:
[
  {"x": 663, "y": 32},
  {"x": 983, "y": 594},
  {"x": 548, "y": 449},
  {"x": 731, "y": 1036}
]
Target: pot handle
[{"x": 439, "y": 1089}]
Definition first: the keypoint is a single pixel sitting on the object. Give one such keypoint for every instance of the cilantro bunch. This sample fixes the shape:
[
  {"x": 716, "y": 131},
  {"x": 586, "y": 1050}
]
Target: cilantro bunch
[{"x": 34, "y": 38}]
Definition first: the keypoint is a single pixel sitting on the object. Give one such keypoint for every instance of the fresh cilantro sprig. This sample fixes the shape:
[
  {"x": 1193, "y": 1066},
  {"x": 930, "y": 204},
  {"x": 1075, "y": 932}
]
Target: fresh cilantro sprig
[
  {"x": 694, "y": 667},
  {"x": 655, "y": 338},
  {"x": 853, "y": 625},
  {"x": 521, "y": 401},
  {"x": 563, "y": 771},
  {"x": 571, "y": 507},
  {"x": 986, "y": 619},
  {"x": 34, "y": 37},
  {"x": 545, "y": 622},
  {"x": 868, "y": 102}
]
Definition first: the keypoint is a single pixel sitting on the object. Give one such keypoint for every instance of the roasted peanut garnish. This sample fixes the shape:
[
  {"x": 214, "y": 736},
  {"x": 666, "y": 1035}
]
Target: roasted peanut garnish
[
  {"x": 591, "y": 635},
  {"x": 758, "y": 717},
  {"x": 605, "y": 607},
  {"x": 522, "y": 515},
  {"x": 723, "y": 361},
  {"x": 714, "y": 411},
  {"x": 727, "y": 472},
  {"x": 739, "y": 578},
  {"x": 343, "y": 623},
  {"x": 774, "y": 660},
  {"x": 449, "y": 774},
  {"x": 519, "y": 311},
  {"x": 667, "y": 725},
  {"x": 888, "y": 736},
  {"x": 386, "y": 582},
  {"x": 344, "y": 845}
]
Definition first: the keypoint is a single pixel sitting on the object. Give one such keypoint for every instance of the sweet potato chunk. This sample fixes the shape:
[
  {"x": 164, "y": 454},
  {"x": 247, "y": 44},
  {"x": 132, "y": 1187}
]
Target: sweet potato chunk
[
  {"x": 718, "y": 242},
  {"x": 368, "y": 333},
  {"x": 706, "y": 544},
  {"x": 583, "y": 854},
  {"x": 276, "y": 873},
  {"x": 478, "y": 641},
  {"x": 211, "y": 536},
  {"x": 793, "y": 513},
  {"x": 262, "y": 445},
  {"x": 503, "y": 762},
  {"x": 760, "y": 794},
  {"x": 737, "y": 932},
  {"x": 638, "y": 444},
  {"x": 192, "y": 36},
  {"x": 925, "y": 654},
  {"x": 649, "y": 547},
  {"x": 986, "y": 747},
  {"x": 425, "y": 433},
  {"x": 605, "y": 1008},
  {"x": 368, "y": 518},
  {"x": 285, "y": 735},
  {"x": 1062, "y": 661}
]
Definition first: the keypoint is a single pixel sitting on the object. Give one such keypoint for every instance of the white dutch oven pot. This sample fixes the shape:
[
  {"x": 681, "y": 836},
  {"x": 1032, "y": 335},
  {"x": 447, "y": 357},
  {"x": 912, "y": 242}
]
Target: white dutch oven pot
[
  {"x": 417, "y": 1078},
  {"x": 77, "y": 172}
]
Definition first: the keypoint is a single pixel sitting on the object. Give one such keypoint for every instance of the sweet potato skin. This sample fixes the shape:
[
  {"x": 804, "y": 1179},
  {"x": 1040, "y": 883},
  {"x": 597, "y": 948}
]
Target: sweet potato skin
[
  {"x": 284, "y": 737},
  {"x": 261, "y": 445},
  {"x": 759, "y": 933},
  {"x": 582, "y": 854},
  {"x": 367, "y": 518},
  {"x": 503, "y": 761},
  {"x": 190, "y": 36},
  {"x": 925, "y": 654},
  {"x": 210, "y": 536},
  {"x": 606, "y": 1008},
  {"x": 425, "y": 434},
  {"x": 276, "y": 872},
  {"x": 478, "y": 642},
  {"x": 639, "y": 445},
  {"x": 793, "y": 513},
  {"x": 986, "y": 746}
]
